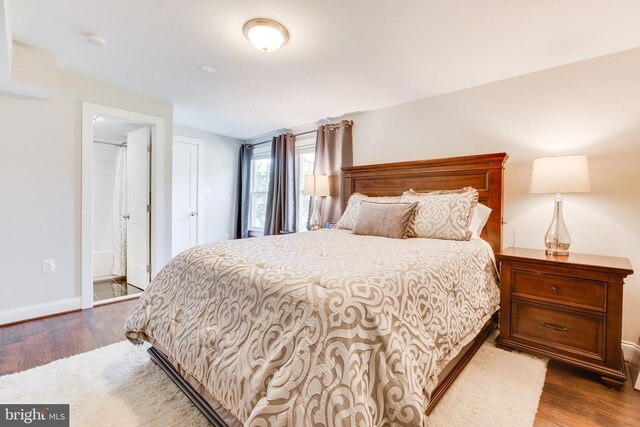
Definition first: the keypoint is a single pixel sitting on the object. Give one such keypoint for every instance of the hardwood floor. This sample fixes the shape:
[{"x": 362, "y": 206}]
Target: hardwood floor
[
  {"x": 571, "y": 397},
  {"x": 30, "y": 344},
  {"x": 575, "y": 397}
]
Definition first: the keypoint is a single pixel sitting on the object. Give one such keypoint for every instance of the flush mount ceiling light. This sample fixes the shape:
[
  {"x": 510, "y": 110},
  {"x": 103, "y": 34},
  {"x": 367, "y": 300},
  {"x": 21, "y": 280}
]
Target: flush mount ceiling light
[{"x": 266, "y": 35}]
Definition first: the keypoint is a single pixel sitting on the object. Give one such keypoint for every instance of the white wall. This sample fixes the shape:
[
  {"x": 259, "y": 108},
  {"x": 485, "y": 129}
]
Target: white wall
[
  {"x": 591, "y": 107},
  {"x": 40, "y": 170},
  {"x": 220, "y": 174}
]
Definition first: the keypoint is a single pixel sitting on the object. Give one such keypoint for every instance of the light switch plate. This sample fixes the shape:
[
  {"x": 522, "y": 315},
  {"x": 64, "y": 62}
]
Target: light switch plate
[{"x": 48, "y": 265}]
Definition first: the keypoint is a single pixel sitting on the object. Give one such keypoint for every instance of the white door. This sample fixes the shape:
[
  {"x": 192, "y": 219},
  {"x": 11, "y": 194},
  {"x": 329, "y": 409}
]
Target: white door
[
  {"x": 138, "y": 207},
  {"x": 186, "y": 227}
]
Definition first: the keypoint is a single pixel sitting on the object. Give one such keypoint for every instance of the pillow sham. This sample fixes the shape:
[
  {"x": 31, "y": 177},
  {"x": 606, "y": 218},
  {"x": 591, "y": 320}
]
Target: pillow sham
[
  {"x": 443, "y": 215},
  {"x": 384, "y": 219},
  {"x": 480, "y": 217},
  {"x": 348, "y": 219}
]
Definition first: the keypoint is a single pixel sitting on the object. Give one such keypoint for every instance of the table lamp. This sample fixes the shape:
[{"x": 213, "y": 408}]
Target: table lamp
[
  {"x": 316, "y": 186},
  {"x": 559, "y": 175}
]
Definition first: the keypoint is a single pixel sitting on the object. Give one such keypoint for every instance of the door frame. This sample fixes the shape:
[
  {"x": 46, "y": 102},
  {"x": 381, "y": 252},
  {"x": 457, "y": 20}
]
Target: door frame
[
  {"x": 200, "y": 143},
  {"x": 158, "y": 237}
]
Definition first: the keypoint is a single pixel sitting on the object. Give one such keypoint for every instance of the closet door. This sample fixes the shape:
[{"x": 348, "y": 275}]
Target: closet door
[
  {"x": 186, "y": 227},
  {"x": 138, "y": 207}
]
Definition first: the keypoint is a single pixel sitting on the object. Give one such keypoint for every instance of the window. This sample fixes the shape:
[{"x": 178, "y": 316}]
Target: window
[
  {"x": 259, "y": 188},
  {"x": 305, "y": 157},
  {"x": 259, "y": 183}
]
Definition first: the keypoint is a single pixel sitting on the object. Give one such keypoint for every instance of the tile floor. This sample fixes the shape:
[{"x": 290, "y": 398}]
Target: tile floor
[{"x": 112, "y": 288}]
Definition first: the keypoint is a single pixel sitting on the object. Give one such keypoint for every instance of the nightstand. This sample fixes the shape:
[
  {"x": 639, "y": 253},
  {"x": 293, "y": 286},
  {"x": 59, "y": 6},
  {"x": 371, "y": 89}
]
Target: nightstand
[{"x": 567, "y": 308}]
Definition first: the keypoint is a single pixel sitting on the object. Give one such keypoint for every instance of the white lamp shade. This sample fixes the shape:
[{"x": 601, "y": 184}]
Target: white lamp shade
[
  {"x": 316, "y": 185},
  {"x": 560, "y": 174}
]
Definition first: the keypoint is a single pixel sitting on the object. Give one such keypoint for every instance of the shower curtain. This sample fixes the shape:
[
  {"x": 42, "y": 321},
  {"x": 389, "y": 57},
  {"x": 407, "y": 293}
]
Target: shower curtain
[{"x": 119, "y": 267}]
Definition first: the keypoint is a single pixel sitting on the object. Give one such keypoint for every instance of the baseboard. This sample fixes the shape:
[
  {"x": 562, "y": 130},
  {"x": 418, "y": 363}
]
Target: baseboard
[
  {"x": 630, "y": 350},
  {"x": 35, "y": 311},
  {"x": 632, "y": 355}
]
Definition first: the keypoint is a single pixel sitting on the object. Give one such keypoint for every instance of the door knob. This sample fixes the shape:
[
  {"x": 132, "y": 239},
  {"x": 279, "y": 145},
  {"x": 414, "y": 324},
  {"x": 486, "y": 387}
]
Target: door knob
[
  {"x": 194, "y": 214},
  {"x": 126, "y": 216}
]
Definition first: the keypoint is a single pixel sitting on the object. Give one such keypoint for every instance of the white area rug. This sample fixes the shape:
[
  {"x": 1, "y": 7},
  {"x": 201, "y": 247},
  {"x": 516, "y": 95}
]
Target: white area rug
[
  {"x": 497, "y": 388},
  {"x": 119, "y": 386}
]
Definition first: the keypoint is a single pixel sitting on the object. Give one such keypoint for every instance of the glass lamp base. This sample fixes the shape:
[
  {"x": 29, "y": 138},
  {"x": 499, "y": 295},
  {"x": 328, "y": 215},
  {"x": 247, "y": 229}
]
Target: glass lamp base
[
  {"x": 557, "y": 240},
  {"x": 557, "y": 252},
  {"x": 315, "y": 218}
]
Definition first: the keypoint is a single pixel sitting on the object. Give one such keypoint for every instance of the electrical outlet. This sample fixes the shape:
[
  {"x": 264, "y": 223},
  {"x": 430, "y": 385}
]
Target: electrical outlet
[
  {"x": 227, "y": 236},
  {"x": 207, "y": 190},
  {"x": 48, "y": 265}
]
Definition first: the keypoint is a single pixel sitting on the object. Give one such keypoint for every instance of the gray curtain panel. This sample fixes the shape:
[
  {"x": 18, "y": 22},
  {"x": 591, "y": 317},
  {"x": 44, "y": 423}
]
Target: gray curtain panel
[
  {"x": 334, "y": 150},
  {"x": 241, "y": 228},
  {"x": 282, "y": 196}
]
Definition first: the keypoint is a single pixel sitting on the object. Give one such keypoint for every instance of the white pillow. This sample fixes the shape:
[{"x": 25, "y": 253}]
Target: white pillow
[{"x": 479, "y": 220}]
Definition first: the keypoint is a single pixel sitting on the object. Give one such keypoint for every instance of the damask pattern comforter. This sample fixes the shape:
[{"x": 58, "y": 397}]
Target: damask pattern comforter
[{"x": 319, "y": 328}]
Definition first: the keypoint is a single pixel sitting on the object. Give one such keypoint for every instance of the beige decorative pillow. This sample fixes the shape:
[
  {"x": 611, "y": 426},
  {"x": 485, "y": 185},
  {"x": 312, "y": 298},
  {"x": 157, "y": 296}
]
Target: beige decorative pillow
[
  {"x": 384, "y": 219},
  {"x": 348, "y": 219},
  {"x": 442, "y": 214}
]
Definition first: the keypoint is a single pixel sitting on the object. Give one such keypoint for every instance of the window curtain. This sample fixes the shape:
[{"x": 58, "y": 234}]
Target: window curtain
[
  {"x": 241, "y": 226},
  {"x": 119, "y": 261},
  {"x": 281, "y": 198},
  {"x": 334, "y": 150}
]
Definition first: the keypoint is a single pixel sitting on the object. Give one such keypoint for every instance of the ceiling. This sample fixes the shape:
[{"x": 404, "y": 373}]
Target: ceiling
[
  {"x": 342, "y": 56},
  {"x": 112, "y": 130}
]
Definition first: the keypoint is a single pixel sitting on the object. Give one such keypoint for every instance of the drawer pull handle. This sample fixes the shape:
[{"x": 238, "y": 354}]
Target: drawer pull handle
[
  {"x": 554, "y": 289},
  {"x": 554, "y": 327}
]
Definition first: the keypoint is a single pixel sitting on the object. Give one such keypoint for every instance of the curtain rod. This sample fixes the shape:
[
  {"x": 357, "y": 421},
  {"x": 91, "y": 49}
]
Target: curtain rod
[
  {"x": 124, "y": 144},
  {"x": 349, "y": 123},
  {"x": 296, "y": 134}
]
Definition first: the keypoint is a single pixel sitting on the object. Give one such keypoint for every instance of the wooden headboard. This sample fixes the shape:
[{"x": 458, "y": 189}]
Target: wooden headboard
[{"x": 483, "y": 172}]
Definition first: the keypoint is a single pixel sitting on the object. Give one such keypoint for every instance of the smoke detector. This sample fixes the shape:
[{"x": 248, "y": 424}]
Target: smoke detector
[
  {"x": 208, "y": 69},
  {"x": 96, "y": 39}
]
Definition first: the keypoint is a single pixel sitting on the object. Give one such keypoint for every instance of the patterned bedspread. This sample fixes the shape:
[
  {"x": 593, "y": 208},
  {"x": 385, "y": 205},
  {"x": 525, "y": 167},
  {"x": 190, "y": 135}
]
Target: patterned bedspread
[{"x": 319, "y": 328}]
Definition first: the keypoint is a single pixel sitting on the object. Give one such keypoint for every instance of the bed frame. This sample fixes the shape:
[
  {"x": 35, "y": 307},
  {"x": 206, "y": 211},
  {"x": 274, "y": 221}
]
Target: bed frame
[{"x": 483, "y": 172}]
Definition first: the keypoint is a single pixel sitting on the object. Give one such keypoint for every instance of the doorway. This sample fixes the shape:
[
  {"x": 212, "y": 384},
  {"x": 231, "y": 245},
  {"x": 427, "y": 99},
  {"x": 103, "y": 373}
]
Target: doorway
[
  {"x": 123, "y": 184},
  {"x": 121, "y": 208}
]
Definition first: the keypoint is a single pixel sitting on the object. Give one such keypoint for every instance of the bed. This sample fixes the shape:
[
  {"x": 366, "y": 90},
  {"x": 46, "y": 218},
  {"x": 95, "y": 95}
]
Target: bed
[{"x": 330, "y": 328}]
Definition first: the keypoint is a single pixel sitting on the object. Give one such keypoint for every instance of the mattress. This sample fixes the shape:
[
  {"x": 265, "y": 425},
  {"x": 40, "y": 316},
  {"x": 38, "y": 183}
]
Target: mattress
[{"x": 322, "y": 328}]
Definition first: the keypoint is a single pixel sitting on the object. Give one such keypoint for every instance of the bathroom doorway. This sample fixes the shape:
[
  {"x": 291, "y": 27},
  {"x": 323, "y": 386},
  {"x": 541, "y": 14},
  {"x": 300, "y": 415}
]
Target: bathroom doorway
[
  {"x": 121, "y": 208},
  {"x": 141, "y": 257}
]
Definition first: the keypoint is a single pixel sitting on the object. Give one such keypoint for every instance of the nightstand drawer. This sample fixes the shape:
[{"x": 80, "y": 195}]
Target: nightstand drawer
[
  {"x": 568, "y": 291},
  {"x": 572, "y": 332}
]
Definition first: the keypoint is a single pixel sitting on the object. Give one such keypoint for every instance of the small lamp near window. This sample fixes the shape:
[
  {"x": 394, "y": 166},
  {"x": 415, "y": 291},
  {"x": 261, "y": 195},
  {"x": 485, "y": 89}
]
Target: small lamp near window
[
  {"x": 316, "y": 186},
  {"x": 559, "y": 175}
]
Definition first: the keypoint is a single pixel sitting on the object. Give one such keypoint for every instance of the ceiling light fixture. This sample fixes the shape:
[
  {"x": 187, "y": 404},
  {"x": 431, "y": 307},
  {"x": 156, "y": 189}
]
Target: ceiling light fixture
[
  {"x": 266, "y": 35},
  {"x": 96, "y": 39}
]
